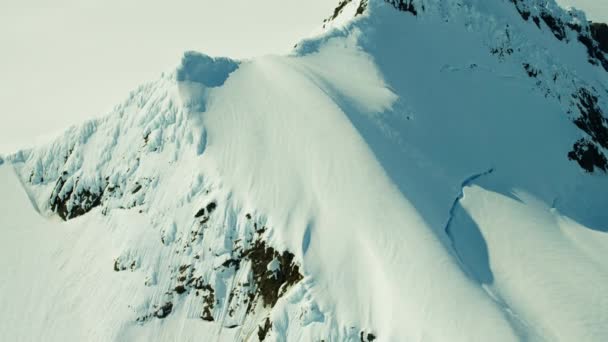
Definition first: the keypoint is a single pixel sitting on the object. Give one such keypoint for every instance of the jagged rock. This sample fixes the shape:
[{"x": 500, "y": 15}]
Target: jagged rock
[
  {"x": 264, "y": 329},
  {"x": 599, "y": 32},
  {"x": 339, "y": 9},
  {"x": 588, "y": 156},
  {"x": 137, "y": 188},
  {"x": 268, "y": 284},
  {"x": 69, "y": 204},
  {"x": 593, "y": 51},
  {"x": 164, "y": 311},
  {"x": 591, "y": 120},
  {"x": 179, "y": 289},
  {"x": 369, "y": 337},
  {"x": 531, "y": 71},
  {"x": 208, "y": 303},
  {"x": 200, "y": 213},
  {"x": 555, "y": 24},
  {"x": 121, "y": 265},
  {"x": 404, "y": 5}
]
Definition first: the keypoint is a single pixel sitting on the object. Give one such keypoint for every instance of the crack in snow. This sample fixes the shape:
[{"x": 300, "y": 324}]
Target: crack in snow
[
  {"x": 452, "y": 212},
  {"x": 517, "y": 321},
  {"x": 467, "y": 182}
]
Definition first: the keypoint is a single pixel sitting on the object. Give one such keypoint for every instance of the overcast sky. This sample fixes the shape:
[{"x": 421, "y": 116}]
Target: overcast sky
[
  {"x": 65, "y": 61},
  {"x": 596, "y": 10}
]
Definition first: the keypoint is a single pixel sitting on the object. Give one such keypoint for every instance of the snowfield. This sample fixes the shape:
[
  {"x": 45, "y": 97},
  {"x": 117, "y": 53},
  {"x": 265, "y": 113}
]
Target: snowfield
[{"x": 421, "y": 170}]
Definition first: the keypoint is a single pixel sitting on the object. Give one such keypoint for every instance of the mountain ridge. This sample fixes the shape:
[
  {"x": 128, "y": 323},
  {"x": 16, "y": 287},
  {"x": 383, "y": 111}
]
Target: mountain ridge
[{"x": 243, "y": 197}]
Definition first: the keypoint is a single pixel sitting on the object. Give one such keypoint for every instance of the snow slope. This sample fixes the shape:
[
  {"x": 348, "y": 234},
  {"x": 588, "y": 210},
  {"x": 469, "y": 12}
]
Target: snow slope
[{"x": 421, "y": 170}]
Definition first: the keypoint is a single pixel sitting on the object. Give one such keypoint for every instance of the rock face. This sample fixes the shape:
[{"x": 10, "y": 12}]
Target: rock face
[
  {"x": 588, "y": 156},
  {"x": 599, "y": 32},
  {"x": 70, "y": 201},
  {"x": 593, "y": 122},
  {"x": 404, "y": 5},
  {"x": 588, "y": 34},
  {"x": 240, "y": 287},
  {"x": 399, "y": 176}
]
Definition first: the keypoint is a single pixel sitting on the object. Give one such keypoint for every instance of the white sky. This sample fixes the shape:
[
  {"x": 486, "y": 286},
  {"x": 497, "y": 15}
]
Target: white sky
[
  {"x": 597, "y": 10},
  {"x": 65, "y": 61}
]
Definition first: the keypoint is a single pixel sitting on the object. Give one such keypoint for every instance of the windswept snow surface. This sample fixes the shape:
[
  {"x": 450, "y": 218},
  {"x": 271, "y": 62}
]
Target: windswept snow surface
[{"x": 401, "y": 177}]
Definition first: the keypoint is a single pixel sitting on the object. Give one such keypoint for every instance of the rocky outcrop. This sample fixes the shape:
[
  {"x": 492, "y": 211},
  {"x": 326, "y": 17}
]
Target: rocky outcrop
[
  {"x": 599, "y": 32},
  {"x": 588, "y": 156},
  {"x": 404, "y": 6}
]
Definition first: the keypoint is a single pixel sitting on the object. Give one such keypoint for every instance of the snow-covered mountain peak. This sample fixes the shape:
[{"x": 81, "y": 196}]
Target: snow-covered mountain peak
[
  {"x": 545, "y": 14},
  {"x": 421, "y": 170}
]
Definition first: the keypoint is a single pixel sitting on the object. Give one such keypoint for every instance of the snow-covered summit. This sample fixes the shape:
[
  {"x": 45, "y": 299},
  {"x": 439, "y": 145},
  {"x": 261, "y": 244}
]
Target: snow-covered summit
[{"x": 422, "y": 170}]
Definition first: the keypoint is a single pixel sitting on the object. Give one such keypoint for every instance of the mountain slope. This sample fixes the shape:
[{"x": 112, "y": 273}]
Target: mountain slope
[{"x": 422, "y": 170}]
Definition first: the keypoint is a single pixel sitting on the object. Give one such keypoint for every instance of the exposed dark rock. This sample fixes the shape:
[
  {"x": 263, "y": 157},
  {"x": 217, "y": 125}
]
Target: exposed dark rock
[
  {"x": 524, "y": 13},
  {"x": 264, "y": 329},
  {"x": 269, "y": 283},
  {"x": 271, "y": 275},
  {"x": 199, "y": 284},
  {"x": 556, "y": 25},
  {"x": 502, "y": 51},
  {"x": 208, "y": 303},
  {"x": 121, "y": 265},
  {"x": 341, "y": 5},
  {"x": 361, "y": 8},
  {"x": 73, "y": 204},
  {"x": 575, "y": 27},
  {"x": 200, "y": 213},
  {"x": 531, "y": 71},
  {"x": 204, "y": 213},
  {"x": 503, "y": 48},
  {"x": 404, "y": 6},
  {"x": 137, "y": 188},
  {"x": 211, "y": 207},
  {"x": 367, "y": 337},
  {"x": 232, "y": 262},
  {"x": 588, "y": 156},
  {"x": 599, "y": 32},
  {"x": 593, "y": 51},
  {"x": 592, "y": 120},
  {"x": 337, "y": 10},
  {"x": 164, "y": 311},
  {"x": 259, "y": 231},
  {"x": 179, "y": 289}
]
